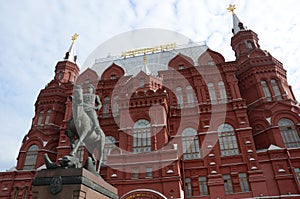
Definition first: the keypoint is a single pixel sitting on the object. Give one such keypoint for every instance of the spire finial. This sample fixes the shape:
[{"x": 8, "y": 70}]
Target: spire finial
[
  {"x": 74, "y": 37},
  {"x": 145, "y": 60},
  {"x": 231, "y": 8}
]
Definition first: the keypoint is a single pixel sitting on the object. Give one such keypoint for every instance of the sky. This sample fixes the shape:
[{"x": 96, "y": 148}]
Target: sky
[{"x": 35, "y": 34}]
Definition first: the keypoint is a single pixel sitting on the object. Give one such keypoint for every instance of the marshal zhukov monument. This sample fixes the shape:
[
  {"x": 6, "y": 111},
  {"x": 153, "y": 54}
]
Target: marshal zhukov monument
[{"x": 69, "y": 178}]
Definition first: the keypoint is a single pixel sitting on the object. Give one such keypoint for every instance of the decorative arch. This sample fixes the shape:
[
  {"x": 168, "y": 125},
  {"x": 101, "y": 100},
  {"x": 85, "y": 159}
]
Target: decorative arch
[
  {"x": 114, "y": 71},
  {"x": 33, "y": 140},
  {"x": 87, "y": 75},
  {"x": 143, "y": 194},
  {"x": 284, "y": 114},
  {"x": 210, "y": 55},
  {"x": 181, "y": 60}
]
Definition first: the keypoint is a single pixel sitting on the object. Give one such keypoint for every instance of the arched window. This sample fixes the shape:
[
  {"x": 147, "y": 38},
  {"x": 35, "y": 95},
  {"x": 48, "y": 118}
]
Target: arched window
[
  {"x": 47, "y": 120},
  {"x": 179, "y": 96},
  {"x": 289, "y": 133},
  {"x": 266, "y": 90},
  {"x": 190, "y": 95},
  {"x": 222, "y": 91},
  {"x": 115, "y": 105},
  {"x": 190, "y": 144},
  {"x": 106, "y": 106},
  {"x": 212, "y": 93},
  {"x": 41, "y": 117},
  {"x": 31, "y": 156},
  {"x": 276, "y": 89},
  {"x": 109, "y": 145},
  {"x": 227, "y": 140},
  {"x": 141, "y": 137}
]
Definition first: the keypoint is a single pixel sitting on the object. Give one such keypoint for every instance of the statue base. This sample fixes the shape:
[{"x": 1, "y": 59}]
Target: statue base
[{"x": 70, "y": 183}]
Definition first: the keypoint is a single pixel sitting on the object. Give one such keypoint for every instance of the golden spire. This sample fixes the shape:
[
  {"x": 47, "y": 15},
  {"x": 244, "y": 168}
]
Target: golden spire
[
  {"x": 231, "y": 8},
  {"x": 74, "y": 37},
  {"x": 145, "y": 59}
]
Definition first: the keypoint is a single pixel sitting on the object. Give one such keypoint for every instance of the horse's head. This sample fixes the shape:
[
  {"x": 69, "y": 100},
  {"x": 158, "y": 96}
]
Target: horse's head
[{"x": 77, "y": 95}]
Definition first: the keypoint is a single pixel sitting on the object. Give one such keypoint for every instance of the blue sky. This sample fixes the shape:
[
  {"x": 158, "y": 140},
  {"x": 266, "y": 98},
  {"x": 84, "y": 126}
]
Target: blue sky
[{"x": 36, "y": 34}]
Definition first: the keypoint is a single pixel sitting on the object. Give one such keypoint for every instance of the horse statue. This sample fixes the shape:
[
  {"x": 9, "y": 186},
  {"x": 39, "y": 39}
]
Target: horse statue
[{"x": 81, "y": 131}]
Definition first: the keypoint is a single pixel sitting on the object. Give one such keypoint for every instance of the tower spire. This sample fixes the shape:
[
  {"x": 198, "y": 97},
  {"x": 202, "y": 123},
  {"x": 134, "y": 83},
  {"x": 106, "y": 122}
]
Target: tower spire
[
  {"x": 237, "y": 24},
  {"x": 71, "y": 53},
  {"x": 145, "y": 68}
]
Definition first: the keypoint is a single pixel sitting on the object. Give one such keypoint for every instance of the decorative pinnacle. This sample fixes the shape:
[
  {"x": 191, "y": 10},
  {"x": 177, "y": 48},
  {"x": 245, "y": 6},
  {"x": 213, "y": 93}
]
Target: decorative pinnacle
[
  {"x": 74, "y": 37},
  {"x": 145, "y": 60},
  {"x": 231, "y": 8}
]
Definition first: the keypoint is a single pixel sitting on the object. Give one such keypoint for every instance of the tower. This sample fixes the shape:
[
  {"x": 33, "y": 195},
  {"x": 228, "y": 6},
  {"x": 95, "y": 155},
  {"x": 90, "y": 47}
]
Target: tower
[
  {"x": 50, "y": 110},
  {"x": 263, "y": 83}
]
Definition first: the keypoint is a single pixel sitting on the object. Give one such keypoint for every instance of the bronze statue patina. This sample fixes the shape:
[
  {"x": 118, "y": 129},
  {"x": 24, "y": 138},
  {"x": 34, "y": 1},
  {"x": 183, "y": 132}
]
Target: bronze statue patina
[{"x": 83, "y": 129}]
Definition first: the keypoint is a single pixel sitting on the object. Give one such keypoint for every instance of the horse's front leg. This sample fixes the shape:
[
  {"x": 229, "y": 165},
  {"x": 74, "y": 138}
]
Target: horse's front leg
[{"x": 79, "y": 142}]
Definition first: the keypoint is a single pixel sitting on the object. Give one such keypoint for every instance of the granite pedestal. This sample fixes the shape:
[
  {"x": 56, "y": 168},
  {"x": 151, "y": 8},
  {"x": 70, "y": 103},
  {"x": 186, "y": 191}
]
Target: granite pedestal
[{"x": 71, "y": 183}]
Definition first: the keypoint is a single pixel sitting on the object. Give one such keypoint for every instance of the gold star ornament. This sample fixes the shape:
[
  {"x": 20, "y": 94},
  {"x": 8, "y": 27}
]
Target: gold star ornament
[
  {"x": 231, "y": 8},
  {"x": 74, "y": 37}
]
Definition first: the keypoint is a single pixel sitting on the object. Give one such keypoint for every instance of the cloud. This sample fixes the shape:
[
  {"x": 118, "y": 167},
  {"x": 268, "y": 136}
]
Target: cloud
[{"x": 36, "y": 34}]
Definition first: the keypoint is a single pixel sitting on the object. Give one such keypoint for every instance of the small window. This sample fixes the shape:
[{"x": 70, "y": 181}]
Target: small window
[
  {"x": 41, "y": 117},
  {"x": 297, "y": 172},
  {"x": 244, "y": 182},
  {"x": 142, "y": 83},
  {"x": 227, "y": 184},
  {"x": 181, "y": 67},
  {"x": 113, "y": 77},
  {"x": 276, "y": 89},
  {"x": 47, "y": 120},
  {"x": 249, "y": 45},
  {"x": 149, "y": 172},
  {"x": 266, "y": 90},
  {"x": 211, "y": 63},
  {"x": 188, "y": 187},
  {"x": 135, "y": 173},
  {"x": 203, "y": 186}
]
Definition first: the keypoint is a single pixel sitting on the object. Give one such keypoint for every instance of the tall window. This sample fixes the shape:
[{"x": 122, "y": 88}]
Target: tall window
[
  {"x": 212, "y": 93},
  {"x": 227, "y": 184},
  {"x": 179, "y": 96},
  {"x": 190, "y": 95},
  {"x": 266, "y": 90},
  {"x": 190, "y": 144},
  {"x": 31, "y": 157},
  {"x": 142, "y": 83},
  {"x": 106, "y": 106},
  {"x": 276, "y": 89},
  {"x": 115, "y": 105},
  {"x": 227, "y": 140},
  {"x": 222, "y": 91},
  {"x": 47, "y": 120},
  {"x": 41, "y": 117},
  {"x": 148, "y": 172},
  {"x": 244, "y": 182},
  {"x": 203, "y": 186},
  {"x": 289, "y": 133},
  {"x": 297, "y": 172},
  {"x": 109, "y": 145},
  {"x": 188, "y": 187},
  {"x": 141, "y": 137}
]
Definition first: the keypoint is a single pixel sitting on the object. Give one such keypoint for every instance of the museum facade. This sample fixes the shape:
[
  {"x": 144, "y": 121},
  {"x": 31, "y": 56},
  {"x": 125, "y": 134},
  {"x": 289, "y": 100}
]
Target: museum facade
[{"x": 179, "y": 121}]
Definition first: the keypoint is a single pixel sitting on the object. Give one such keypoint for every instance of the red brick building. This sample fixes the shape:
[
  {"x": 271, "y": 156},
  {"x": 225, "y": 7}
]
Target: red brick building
[{"x": 194, "y": 126}]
